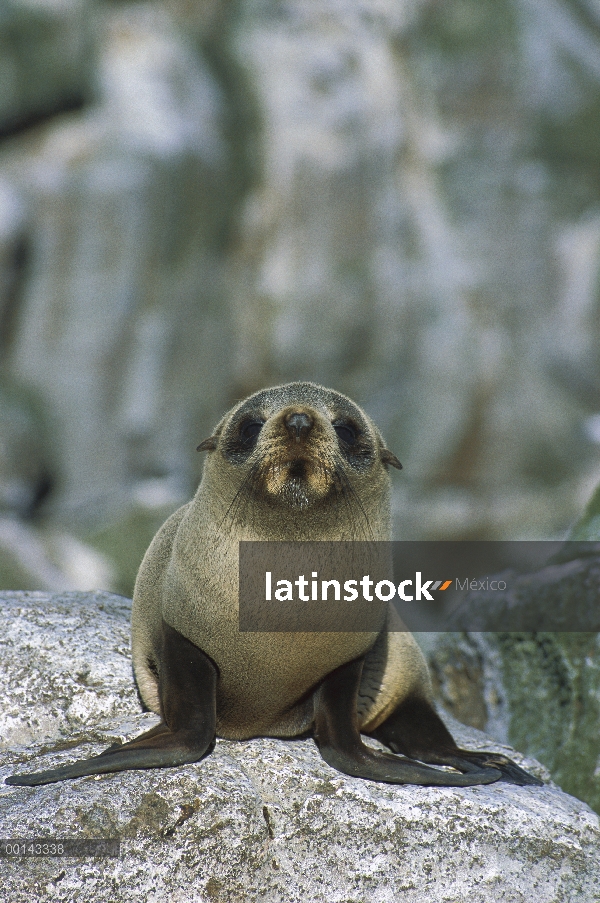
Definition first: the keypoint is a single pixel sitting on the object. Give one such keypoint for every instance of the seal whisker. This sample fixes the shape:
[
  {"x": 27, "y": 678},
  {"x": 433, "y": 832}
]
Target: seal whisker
[
  {"x": 350, "y": 496},
  {"x": 240, "y": 496}
]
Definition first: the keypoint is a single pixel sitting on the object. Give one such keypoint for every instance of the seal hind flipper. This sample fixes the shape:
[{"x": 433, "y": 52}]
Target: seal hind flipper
[
  {"x": 187, "y": 689},
  {"x": 338, "y": 738},
  {"x": 415, "y": 729}
]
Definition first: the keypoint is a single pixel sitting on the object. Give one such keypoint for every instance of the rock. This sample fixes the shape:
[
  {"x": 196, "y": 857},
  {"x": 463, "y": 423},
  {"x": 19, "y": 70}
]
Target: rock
[
  {"x": 379, "y": 181},
  {"x": 57, "y": 689},
  {"x": 552, "y": 689},
  {"x": 537, "y": 690},
  {"x": 397, "y": 221},
  {"x": 50, "y": 559},
  {"x": 26, "y": 466},
  {"x": 315, "y": 272},
  {"x": 263, "y": 819},
  {"x": 13, "y": 220},
  {"x": 123, "y": 332},
  {"x": 46, "y": 59}
]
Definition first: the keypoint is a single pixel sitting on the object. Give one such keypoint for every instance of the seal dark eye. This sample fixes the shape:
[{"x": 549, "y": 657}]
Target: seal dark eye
[
  {"x": 249, "y": 431},
  {"x": 345, "y": 432},
  {"x": 354, "y": 443}
]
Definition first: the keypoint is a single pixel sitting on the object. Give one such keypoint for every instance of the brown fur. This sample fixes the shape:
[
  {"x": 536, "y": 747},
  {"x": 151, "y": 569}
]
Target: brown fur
[{"x": 189, "y": 575}]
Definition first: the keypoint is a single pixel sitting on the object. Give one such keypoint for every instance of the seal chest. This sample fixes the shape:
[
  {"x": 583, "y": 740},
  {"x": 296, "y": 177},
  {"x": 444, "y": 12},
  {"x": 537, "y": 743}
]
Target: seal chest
[{"x": 292, "y": 463}]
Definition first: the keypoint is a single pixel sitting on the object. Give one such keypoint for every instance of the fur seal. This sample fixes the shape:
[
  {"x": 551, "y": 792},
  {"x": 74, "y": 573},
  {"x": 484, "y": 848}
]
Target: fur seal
[{"x": 294, "y": 462}]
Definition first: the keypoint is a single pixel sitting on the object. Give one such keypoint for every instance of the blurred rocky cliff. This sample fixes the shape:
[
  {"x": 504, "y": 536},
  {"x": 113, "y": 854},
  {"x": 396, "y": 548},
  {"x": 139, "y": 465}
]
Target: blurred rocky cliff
[{"x": 397, "y": 198}]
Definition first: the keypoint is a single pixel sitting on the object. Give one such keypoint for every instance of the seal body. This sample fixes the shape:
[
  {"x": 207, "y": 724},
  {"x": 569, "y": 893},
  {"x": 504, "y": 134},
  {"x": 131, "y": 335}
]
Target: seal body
[
  {"x": 293, "y": 482},
  {"x": 299, "y": 463}
]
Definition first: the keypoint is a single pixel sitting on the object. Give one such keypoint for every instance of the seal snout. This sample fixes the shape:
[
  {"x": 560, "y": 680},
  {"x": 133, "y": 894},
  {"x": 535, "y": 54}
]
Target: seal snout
[{"x": 298, "y": 424}]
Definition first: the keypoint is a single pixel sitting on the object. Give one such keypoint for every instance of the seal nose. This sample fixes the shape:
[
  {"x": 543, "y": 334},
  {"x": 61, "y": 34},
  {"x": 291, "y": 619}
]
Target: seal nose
[{"x": 298, "y": 425}]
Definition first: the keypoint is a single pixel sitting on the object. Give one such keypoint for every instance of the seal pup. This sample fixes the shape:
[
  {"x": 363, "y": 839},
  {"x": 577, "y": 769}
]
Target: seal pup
[{"x": 300, "y": 463}]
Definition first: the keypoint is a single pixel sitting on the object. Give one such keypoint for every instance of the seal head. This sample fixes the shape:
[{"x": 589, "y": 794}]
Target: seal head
[{"x": 305, "y": 449}]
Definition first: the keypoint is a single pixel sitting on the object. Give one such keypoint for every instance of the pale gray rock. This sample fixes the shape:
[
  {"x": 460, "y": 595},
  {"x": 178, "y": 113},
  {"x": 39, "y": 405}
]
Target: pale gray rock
[
  {"x": 46, "y": 58},
  {"x": 69, "y": 657},
  {"x": 259, "y": 820},
  {"x": 122, "y": 332},
  {"x": 23, "y": 452},
  {"x": 52, "y": 559},
  {"x": 402, "y": 213},
  {"x": 392, "y": 206}
]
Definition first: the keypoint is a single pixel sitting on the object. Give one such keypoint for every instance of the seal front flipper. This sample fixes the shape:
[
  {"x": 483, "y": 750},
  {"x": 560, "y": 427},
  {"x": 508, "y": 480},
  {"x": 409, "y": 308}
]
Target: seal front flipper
[
  {"x": 415, "y": 729},
  {"x": 338, "y": 738},
  {"x": 188, "y": 692}
]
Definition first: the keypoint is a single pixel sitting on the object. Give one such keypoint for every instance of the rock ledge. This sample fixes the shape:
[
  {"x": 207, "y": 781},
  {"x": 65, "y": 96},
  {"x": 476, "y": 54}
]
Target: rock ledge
[{"x": 261, "y": 820}]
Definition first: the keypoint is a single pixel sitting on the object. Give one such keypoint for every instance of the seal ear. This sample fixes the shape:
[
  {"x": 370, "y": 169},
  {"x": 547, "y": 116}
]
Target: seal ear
[
  {"x": 208, "y": 444},
  {"x": 388, "y": 458}
]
